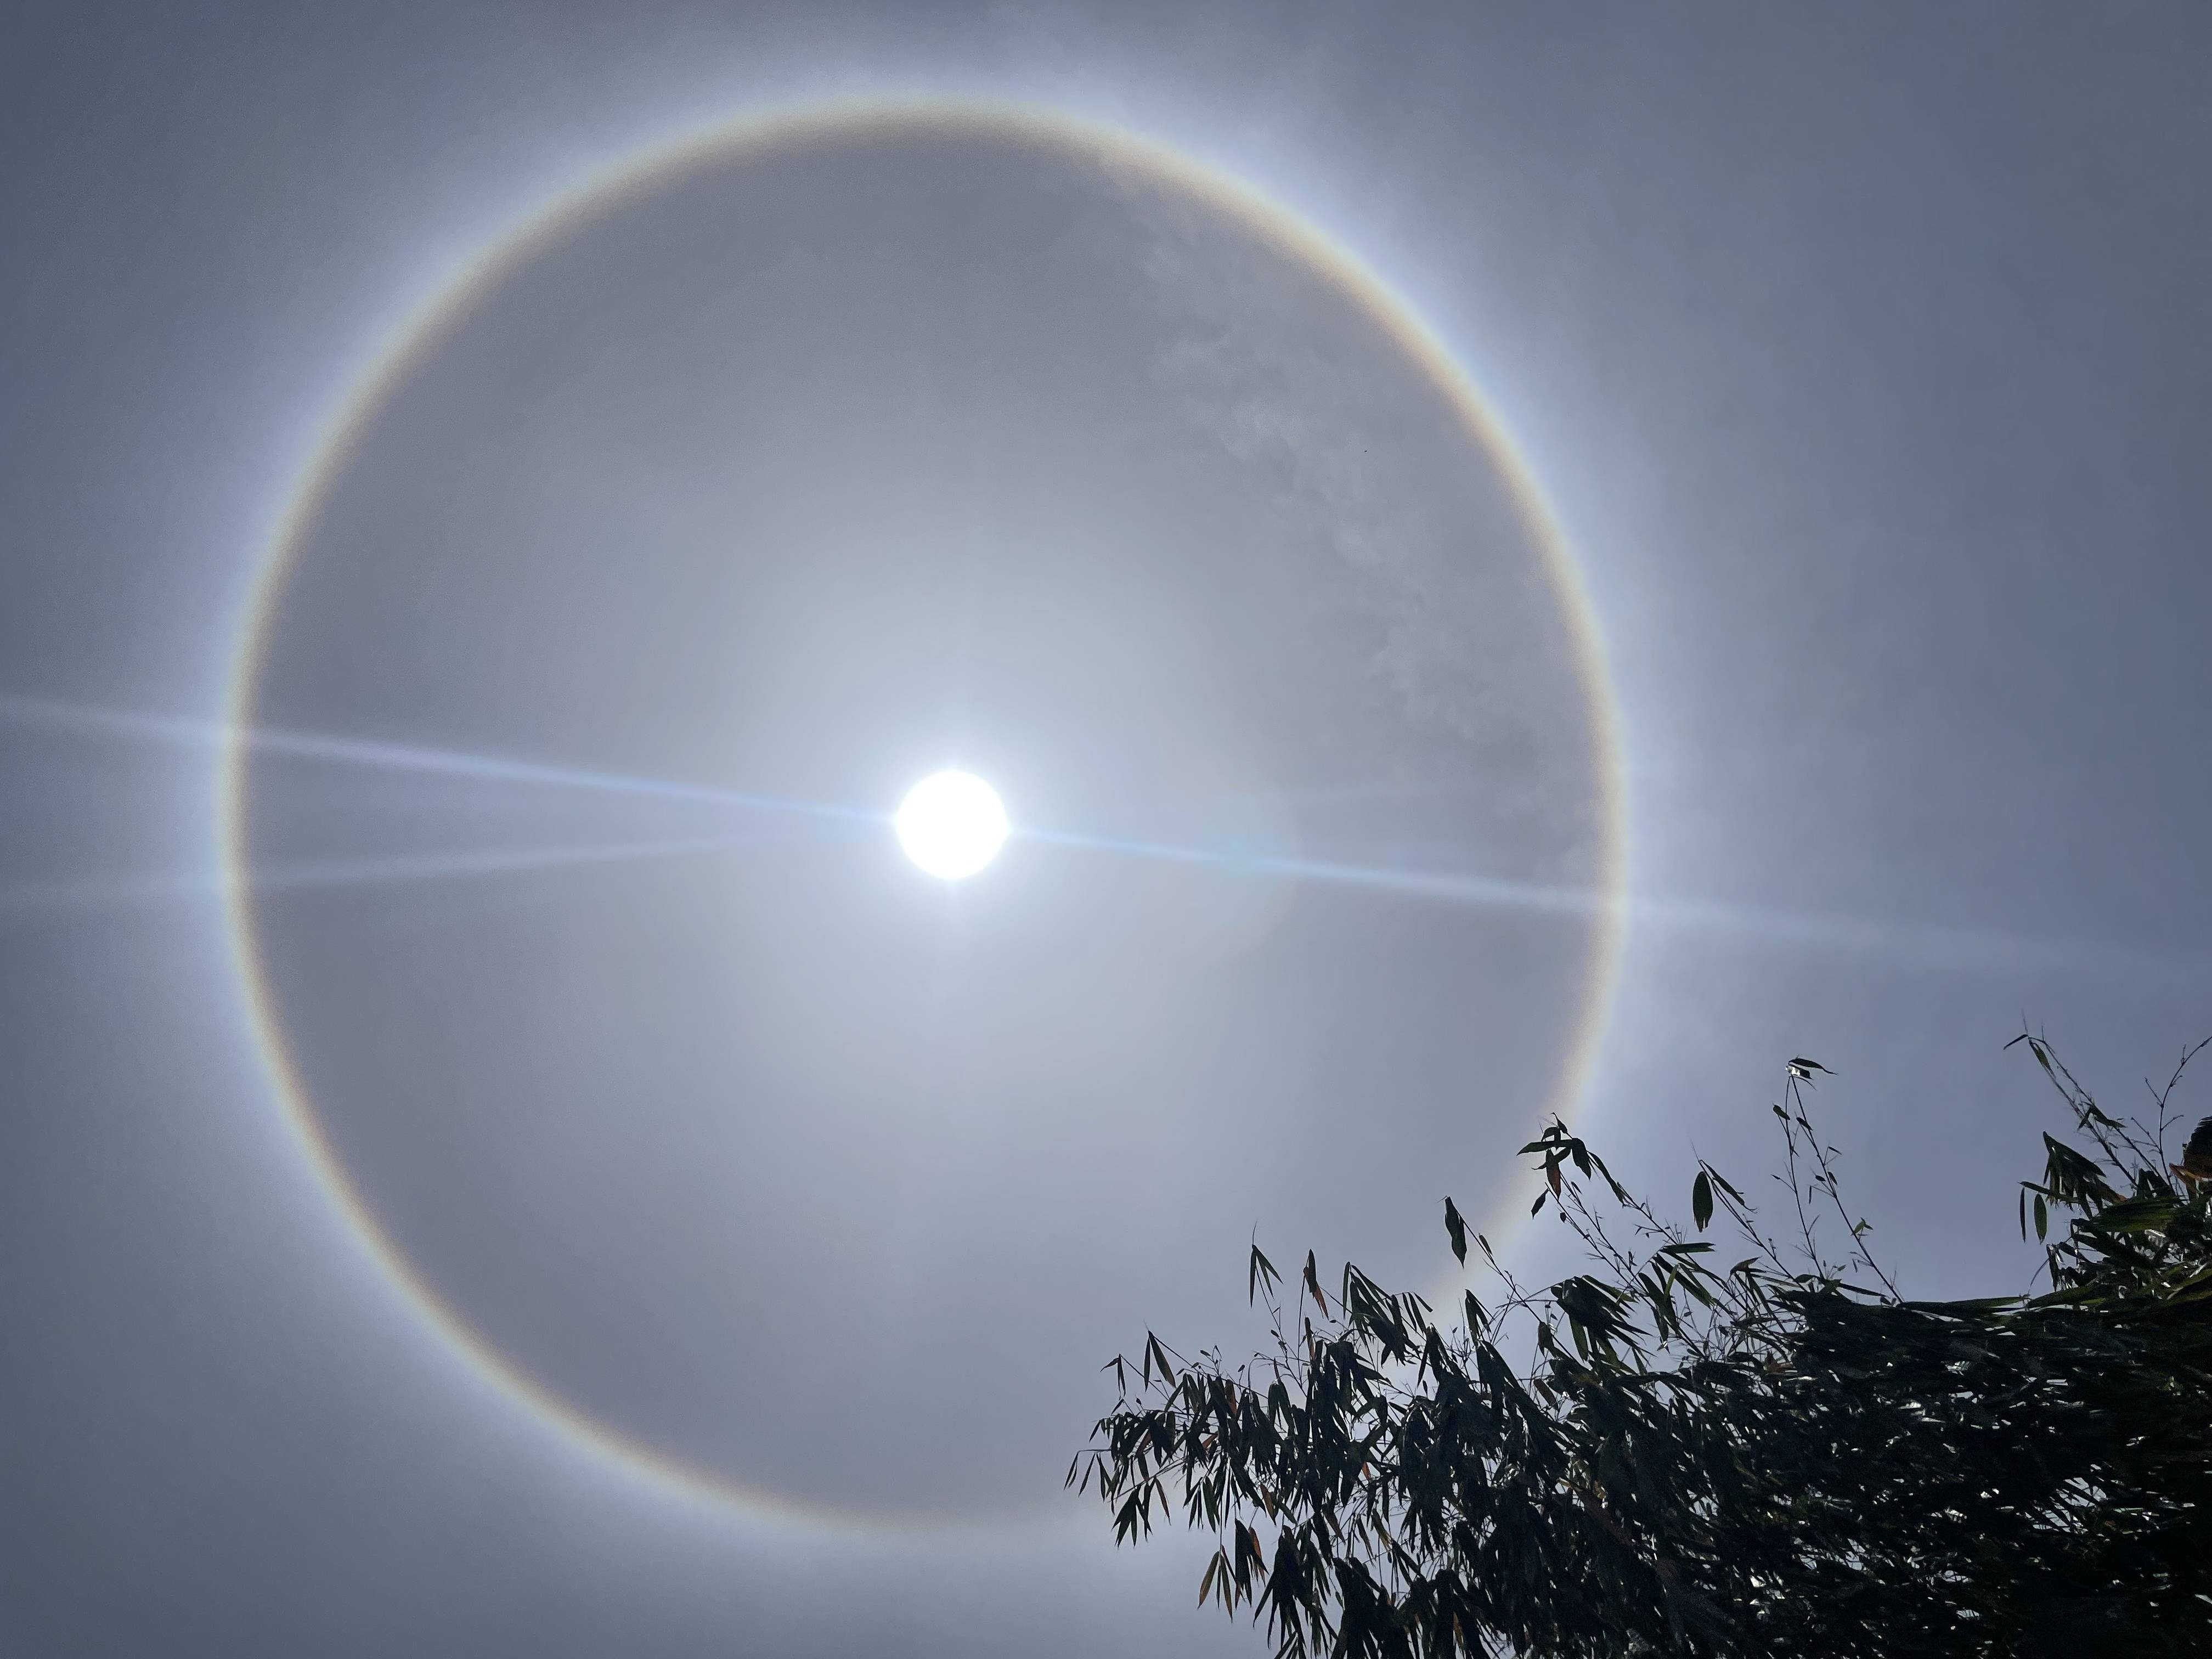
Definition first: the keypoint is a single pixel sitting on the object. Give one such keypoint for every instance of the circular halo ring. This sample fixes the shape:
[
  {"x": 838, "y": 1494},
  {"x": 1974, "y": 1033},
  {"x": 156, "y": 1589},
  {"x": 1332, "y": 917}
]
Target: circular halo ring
[{"x": 421, "y": 332}]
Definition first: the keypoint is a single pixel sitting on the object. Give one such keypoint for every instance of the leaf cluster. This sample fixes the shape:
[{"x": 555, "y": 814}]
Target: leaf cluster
[{"x": 1782, "y": 1455}]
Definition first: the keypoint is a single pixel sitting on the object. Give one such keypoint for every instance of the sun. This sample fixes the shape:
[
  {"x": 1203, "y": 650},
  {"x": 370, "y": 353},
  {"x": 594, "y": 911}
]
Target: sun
[{"x": 951, "y": 825}]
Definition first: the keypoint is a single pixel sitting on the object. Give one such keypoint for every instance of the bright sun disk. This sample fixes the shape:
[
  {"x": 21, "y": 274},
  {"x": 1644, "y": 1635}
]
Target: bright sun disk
[{"x": 951, "y": 825}]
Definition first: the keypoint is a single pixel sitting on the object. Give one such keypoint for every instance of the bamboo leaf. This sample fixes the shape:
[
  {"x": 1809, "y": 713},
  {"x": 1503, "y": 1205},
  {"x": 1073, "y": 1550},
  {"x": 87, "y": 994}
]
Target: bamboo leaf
[{"x": 1259, "y": 1268}]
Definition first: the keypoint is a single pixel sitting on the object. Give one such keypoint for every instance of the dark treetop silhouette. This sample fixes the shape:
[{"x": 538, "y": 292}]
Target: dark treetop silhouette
[{"x": 1779, "y": 1456}]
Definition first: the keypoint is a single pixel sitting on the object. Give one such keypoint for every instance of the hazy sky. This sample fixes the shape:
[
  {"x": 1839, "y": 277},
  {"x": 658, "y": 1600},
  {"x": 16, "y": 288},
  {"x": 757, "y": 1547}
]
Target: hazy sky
[{"x": 1862, "y": 359}]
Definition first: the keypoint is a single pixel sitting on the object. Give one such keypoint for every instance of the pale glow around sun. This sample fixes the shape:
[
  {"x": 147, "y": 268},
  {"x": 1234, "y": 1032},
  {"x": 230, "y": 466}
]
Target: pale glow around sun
[{"x": 951, "y": 825}]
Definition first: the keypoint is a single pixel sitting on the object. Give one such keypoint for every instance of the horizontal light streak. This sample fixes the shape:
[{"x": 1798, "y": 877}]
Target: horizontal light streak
[
  {"x": 403, "y": 757},
  {"x": 91, "y": 892},
  {"x": 1953, "y": 947}
]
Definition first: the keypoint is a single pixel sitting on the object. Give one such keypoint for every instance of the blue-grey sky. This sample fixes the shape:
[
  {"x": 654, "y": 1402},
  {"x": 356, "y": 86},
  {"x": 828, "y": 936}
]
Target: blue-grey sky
[{"x": 1861, "y": 357}]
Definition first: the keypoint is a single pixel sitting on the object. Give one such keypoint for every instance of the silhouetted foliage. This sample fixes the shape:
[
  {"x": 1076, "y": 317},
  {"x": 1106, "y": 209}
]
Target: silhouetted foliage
[{"x": 1782, "y": 1455}]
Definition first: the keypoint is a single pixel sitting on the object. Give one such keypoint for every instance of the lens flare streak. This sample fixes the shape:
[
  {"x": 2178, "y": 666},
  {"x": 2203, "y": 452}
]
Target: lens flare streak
[
  {"x": 401, "y": 757},
  {"x": 1968, "y": 948},
  {"x": 86, "y": 891},
  {"x": 1932, "y": 947}
]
